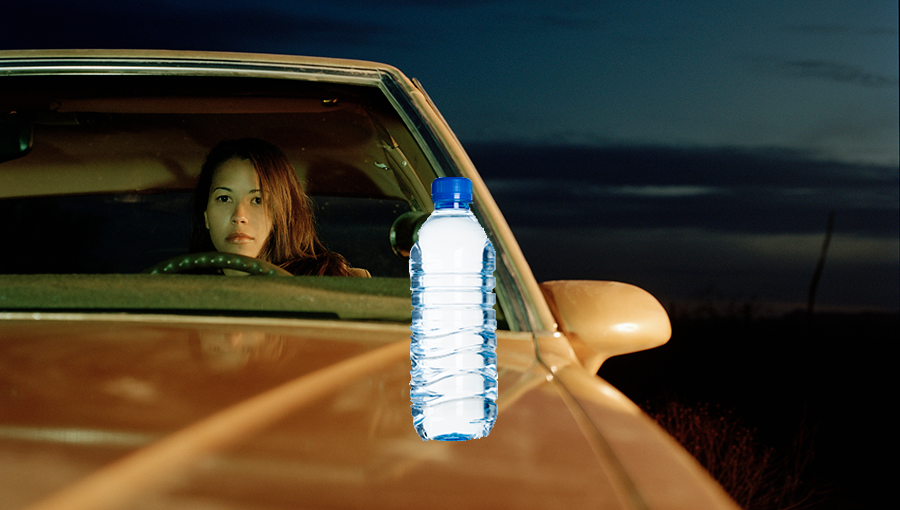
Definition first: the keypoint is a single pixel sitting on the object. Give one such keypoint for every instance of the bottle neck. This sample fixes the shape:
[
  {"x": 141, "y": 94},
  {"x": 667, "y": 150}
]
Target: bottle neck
[{"x": 451, "y": 205}]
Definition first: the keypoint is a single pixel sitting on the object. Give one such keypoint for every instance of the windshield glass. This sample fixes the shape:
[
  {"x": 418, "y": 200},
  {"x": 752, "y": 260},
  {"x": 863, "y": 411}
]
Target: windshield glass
[{"x": 105, "y": 191}]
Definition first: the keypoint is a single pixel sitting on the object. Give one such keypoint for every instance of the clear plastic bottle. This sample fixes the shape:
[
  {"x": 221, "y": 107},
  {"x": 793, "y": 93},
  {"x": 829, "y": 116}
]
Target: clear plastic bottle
[{"x": 454, "y": 366}]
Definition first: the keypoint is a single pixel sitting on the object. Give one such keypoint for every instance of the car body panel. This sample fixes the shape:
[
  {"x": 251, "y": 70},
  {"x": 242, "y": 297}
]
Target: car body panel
[{"x": 298, "y": 414}]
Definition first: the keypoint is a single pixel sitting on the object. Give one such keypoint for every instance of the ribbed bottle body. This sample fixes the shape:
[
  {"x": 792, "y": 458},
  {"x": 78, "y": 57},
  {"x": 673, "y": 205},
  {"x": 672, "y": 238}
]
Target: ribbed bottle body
[{"x": 453, "y": 381}]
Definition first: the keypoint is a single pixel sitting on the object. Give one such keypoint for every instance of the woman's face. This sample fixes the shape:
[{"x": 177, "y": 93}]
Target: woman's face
[{"x": 237, "y": 219}]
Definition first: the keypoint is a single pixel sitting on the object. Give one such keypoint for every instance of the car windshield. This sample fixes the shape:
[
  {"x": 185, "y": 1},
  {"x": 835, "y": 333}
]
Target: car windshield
[{"x": 105, "y": 192}]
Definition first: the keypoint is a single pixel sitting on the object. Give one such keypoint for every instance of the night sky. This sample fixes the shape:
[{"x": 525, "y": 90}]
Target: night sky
[{"x": 694, "y": 148}]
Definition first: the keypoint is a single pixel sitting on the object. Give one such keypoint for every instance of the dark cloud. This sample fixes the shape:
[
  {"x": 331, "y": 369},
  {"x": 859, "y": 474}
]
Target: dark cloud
[
  {"x": 568, "y": 21},
  {"x": 229, "y": 26},
  {"x": 725, "y": 190},
  {"x": 677, "y": 264},
  {"x": 821, "y": 70},
  {"x": 679, "y": 221},
  {"x": 571, "y": 16},
  {"x": 446, "y": 4},
  {"x": 842, "y": 30},
  {"x": 834, "y": 71}
]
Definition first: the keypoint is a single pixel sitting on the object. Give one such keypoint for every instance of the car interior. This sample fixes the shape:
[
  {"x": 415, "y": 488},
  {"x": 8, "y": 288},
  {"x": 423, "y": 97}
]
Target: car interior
[{"x": 99, "y": 173}]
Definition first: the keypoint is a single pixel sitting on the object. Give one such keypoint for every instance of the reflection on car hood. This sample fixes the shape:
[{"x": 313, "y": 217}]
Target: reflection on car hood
[{"x": 251, "y": 413}]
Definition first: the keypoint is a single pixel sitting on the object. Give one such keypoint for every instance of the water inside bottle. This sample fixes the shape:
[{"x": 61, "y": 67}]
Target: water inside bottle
[{"x": 454, "y": 368}]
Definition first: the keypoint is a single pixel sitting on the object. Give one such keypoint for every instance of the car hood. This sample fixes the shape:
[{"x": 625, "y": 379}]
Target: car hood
[{"x": 167, "y": 412}]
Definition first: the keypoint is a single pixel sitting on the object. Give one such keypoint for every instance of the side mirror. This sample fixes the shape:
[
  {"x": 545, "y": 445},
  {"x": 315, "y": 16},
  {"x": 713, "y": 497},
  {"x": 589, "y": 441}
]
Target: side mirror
[
  {"x": 405, "y": 232},
  {"x": 605, "y": 319}
]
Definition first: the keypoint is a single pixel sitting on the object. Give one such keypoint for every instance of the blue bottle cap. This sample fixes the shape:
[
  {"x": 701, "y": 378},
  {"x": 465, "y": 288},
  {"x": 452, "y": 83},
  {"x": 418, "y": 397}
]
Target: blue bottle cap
[{"x": 451, "y": 189}]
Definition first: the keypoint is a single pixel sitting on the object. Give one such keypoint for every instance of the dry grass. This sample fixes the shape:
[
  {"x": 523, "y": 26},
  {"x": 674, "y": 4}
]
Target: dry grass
[{"x": 755, "y": 475}]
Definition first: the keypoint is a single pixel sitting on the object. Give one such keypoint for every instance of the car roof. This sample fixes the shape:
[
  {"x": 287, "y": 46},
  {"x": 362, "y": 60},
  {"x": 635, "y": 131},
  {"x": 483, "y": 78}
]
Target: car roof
[{"x": 24, "y": 56}]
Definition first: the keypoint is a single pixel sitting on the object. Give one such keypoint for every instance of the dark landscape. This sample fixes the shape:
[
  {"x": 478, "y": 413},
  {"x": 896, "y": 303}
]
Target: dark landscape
[
  {"x": 774, "y": 383},
  {"x": 695, "y": 149},
  {"x": 808, "y": 393}
]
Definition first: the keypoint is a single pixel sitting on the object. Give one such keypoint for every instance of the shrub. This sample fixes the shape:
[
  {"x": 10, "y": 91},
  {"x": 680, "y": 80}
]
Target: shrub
[{"x": 755, "y": 475}]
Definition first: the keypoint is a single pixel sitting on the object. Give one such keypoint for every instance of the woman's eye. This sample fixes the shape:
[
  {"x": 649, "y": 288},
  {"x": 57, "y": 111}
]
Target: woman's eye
[
  {"x": 257, "y": 200},
  {"x": 223, "y": 198}
]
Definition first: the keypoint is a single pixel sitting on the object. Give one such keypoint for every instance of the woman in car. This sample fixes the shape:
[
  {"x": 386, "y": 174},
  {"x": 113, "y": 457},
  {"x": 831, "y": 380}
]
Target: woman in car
[{"x": 249, "y": 201}]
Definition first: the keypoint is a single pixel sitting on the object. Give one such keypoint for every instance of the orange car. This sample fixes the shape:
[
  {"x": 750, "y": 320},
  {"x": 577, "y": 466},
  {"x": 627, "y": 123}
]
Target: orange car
[{"x": 125, "y": 389}]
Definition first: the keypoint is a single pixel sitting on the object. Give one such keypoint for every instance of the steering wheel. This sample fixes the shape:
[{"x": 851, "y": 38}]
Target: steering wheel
[{"x": 216, "y": 260}]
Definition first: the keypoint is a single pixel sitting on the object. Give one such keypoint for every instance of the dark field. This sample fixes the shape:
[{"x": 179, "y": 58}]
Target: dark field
[{"x": 788, "y": 412}]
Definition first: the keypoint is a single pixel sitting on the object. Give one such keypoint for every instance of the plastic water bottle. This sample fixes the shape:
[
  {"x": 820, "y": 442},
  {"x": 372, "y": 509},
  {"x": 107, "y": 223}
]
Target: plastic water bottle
[{"x": 454, "y": 366}]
